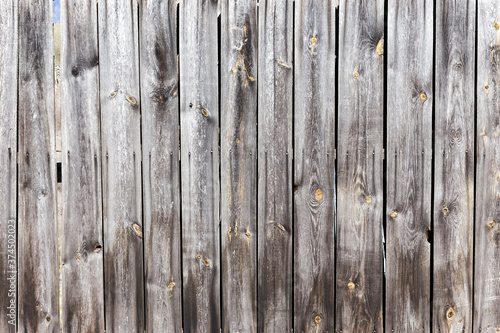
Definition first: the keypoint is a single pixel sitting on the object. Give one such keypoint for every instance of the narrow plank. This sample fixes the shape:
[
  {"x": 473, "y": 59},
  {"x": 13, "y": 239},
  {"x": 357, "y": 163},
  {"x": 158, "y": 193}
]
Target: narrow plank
[
  {"x": 81, "y": 250},
  {"x": 314, "y": 166},
  {"x": 160, "y": 143},
  {"x": 38, "y": 253},
  {"x": 8, "y": 164},
  {"x": 121, "y": 165},
  {"x": 454, "y": 166},
  {"x": 239, "y": 165},
  {"x": 360, "y": 265},
  {"x": 409, "y": 153},
  {"x": 200, "y": 165},
  {"x": 275, "y": 166},
  {"x": 487, "y": 219}
]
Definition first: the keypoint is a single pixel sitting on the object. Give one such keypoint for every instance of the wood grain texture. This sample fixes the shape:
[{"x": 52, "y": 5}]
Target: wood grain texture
[
  {"x": 38, "y": 255},
  {"x": 239, "y": 165},
  {"x": 275, "y": 166},
  {"x": 8, "y": 164},
  {"x": 360, "y": 266},
  {"x": 121, "y": 165},
  {"x": 160, "y": 145},
  {"x": 487, "y": 219},
  {"x": 200, "y": 165},
  {"x": 409, "y": 153},
  {"x": 82, "y": 255},
  {"x": 314, "y": 166},
  {"x": 454, "y": 166}
]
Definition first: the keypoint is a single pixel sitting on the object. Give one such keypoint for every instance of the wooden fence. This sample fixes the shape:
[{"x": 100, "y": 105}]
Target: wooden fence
[{"x": 307, "y": 165}]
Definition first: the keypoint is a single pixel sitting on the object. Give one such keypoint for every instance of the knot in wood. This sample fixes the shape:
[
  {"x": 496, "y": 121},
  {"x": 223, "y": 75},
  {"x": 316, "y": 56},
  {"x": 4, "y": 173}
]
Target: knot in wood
[
  {"x": 423, "y": 96},
  {"x": 394, "y": 214},
  {"x": 368, "y": 200},
  {"x": 137, "y": 228},
  {"x": 496, "y": 25},
  {"x": 317, "y": 319},
  {"x": 318, "y": 194},
  {"x": 491, "y": 224},
  {"x": 351, "y": 286}
]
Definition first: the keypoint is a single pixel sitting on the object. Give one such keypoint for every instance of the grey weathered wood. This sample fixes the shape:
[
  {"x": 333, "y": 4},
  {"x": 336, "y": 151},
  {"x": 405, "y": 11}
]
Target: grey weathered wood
[
  {"x": 81, "y": 250},
  {"x": 487, "y": 219},
  {"x": 121, "y": 165},
  {"x": 453, "y": 208},
  {"x": 409, "y": 153},
  {"x": 314, "y": 166},
  {"x": 360, "y": 266},
  {"x": 239, "y": 165},
  {"x": 8, "y": 166},
  {"x": 38, "y": 254},
  {"x": 160, "y": 144},
  {"x": 275, "y": 166},
  {"x": 200, "y": 165}
]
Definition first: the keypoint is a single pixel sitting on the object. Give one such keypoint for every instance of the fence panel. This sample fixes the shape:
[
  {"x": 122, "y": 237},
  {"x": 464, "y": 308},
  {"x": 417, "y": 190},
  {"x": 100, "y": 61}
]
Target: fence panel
[
  {"x": 238, "y": 70},
  {"x": 487, "y": 219},
  {"x": 409, "y": 154},
  {"x": 360, "y": 266},
  {"x": 82, "y": 255},
  {"x": 275, "y": 166},
  {"x": 453, "y": 208},
  {"x": 314, "y": 166},
  {"x": 200, "y": 165},
  {"x": 160, "y": 156},
  {"x": 8, "y": 164},
  {"x": 38, "y": 254},
  {"x": 121, "y": 165}
]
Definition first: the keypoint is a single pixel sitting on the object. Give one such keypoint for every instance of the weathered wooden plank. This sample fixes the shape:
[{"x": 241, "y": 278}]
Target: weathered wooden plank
[
  {"x": 239, "y": 165},
  {"x": 81, "y": 250},
  {"x": 8, "y": 164},
  {"x": 487, "y": 220},
  {"x": 314, "y": 166},
  {"x": 275, "y": 166},
  {"x": 38, "y": 254},
  {"x": 121, "y": 165},
  {"x": 454, "y": 166},
  {"x": 409, "y": 153},
  {"x": 160, "y": 140},
  {"x": 200, "y": 165},
  {"x": 360, "y": 265}
]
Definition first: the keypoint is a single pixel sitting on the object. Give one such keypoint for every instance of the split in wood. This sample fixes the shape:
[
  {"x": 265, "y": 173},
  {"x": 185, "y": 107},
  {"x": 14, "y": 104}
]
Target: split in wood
[{"x": 281, "y": 63}]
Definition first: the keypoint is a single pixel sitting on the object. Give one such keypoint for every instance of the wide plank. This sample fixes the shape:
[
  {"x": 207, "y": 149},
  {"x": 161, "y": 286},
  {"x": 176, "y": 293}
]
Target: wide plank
[
  {"x": 453, "y": 208},
  {"x": 275, "y": 166},
  {"x": 121, "y": 165},
  {"x": 199, "y": 112},
  {"x": 314, "y": 166},
  {"x": 239, "y": 165},
  {"x": 8, "y": 164},
  {"x": 38, "y": 249},
  {"x": 409, "y": 174},
  {"x": 487, "y": 219},
  {"x": 160, "y": 145},
  {"x": 360, "y": 205},
  {"x": 82, "y": 255}
]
